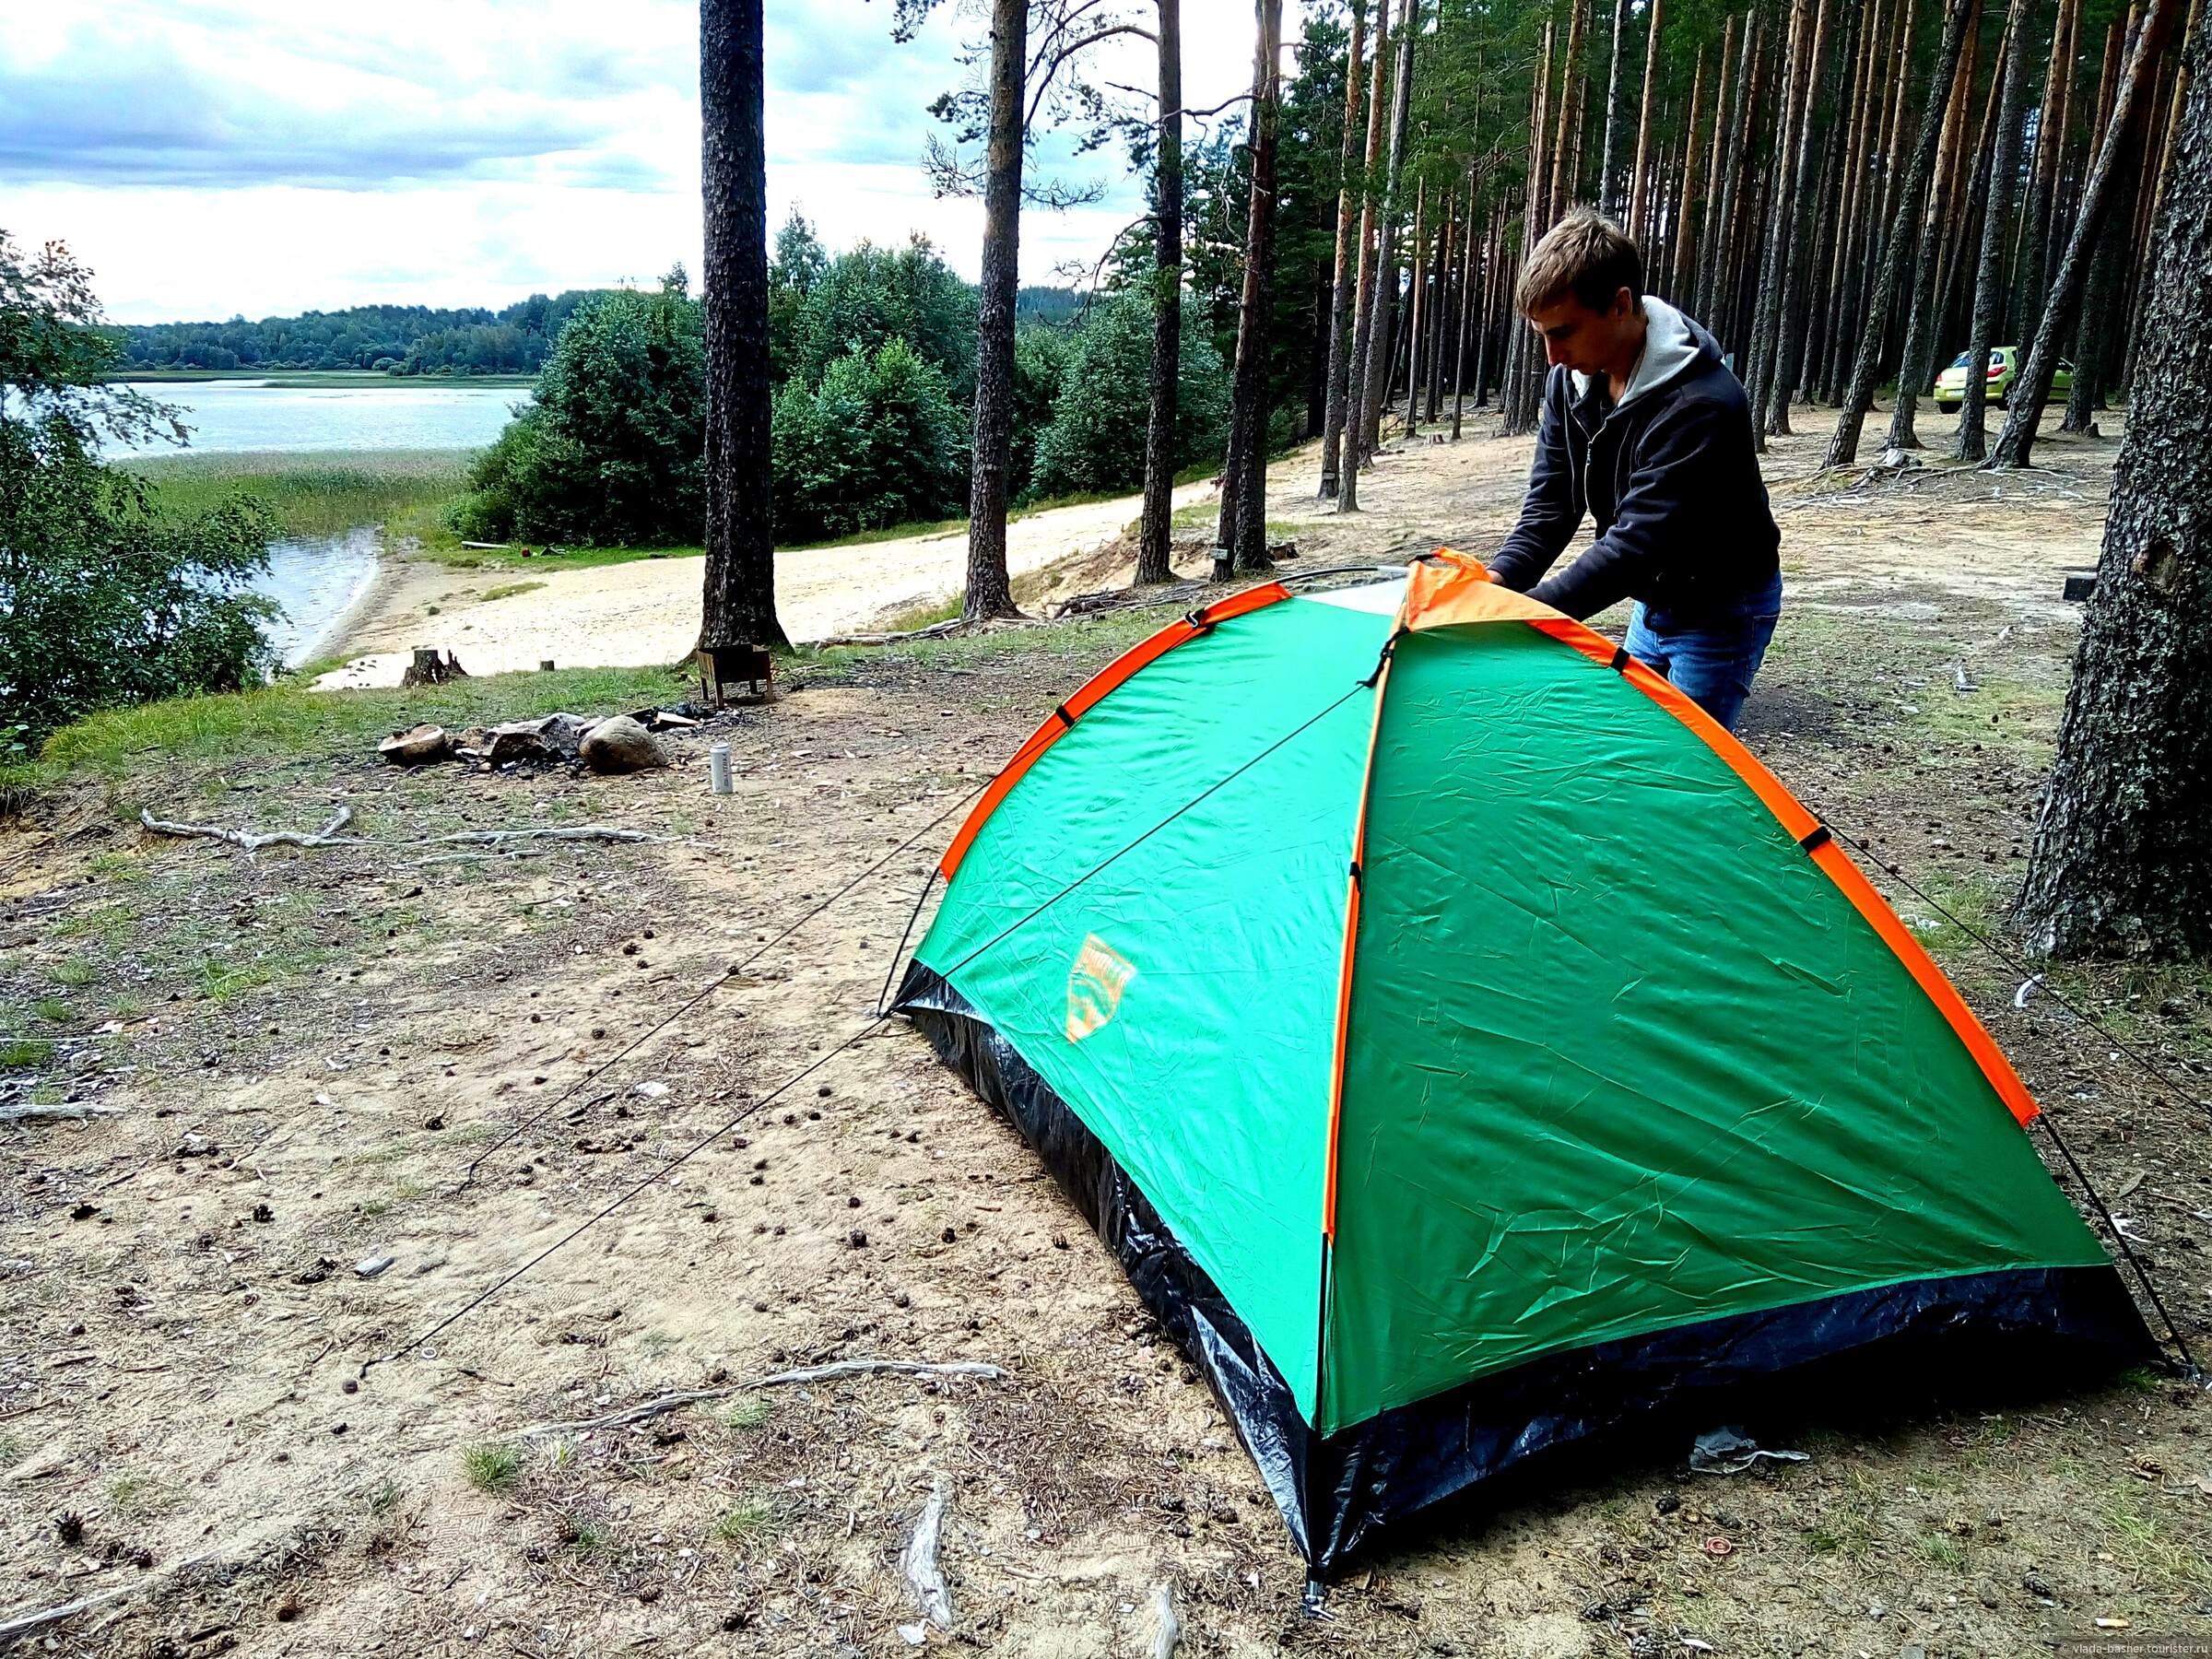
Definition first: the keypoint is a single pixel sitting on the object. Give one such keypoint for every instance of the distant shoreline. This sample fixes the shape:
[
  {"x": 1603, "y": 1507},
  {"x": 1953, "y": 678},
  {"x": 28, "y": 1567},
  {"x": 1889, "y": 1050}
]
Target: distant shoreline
[{"x": 308, "y": 380}]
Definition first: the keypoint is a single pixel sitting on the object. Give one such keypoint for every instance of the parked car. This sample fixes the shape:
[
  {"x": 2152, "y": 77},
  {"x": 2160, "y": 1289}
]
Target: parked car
[{"x": 2004, "y": 368}]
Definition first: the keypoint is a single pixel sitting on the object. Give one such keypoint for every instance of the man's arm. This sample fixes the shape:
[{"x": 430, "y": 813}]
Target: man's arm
[
  {"x": 1550, "y": 512},
  {"x": 1670, "y": 494}
]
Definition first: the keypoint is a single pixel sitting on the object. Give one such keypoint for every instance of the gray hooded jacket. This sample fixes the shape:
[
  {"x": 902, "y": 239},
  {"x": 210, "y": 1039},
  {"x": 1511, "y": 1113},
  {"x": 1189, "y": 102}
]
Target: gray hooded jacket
[{"x": 1669, "y": 477}]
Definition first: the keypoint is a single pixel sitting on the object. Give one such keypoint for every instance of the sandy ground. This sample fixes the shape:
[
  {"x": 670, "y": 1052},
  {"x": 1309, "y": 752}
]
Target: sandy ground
[
  {"x": 300, "y": 1066},
  {"x": 646, "y": 611}
]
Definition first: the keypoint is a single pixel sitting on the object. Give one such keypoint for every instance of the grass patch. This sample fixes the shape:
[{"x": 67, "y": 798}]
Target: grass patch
[
  {"x": 492, "y": 1467},
  {"x": 73, "y": 972},
  {"x": 139, "y": 1496},
  {"x": 16, "y": 1054},
  {"x": 290, "y": 721},
  {"x": 53, "y": 1010},
  {"x": 744, "y": 1523},
  {"x": 748, "y": 1413},
  {"x": 507, "y": 590},
  {"x": 317, "y": 494}
]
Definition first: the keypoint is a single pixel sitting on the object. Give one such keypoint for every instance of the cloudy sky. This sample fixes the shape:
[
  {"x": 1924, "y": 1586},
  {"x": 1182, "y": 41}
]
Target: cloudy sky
[{"x": 265, "y": 157}]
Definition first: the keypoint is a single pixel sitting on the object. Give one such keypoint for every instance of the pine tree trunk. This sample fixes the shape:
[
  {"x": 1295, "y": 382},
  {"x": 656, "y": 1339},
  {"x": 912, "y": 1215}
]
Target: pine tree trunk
[
  {"x": 1701, "y": 290},
  {"x": 1382, "y": 354},
  {"x": 1154, "y": 535},
  {"x": 1416, "y": 306},
  {"x": 2145, "y": 262},
  {"x": 1608, "y": 201},
  {"x": 2122, "y": 858},
  {"x": 2050, "y": 150},
  {"x": 2087, "y": 396},
  {"x": 1340, "y": 306},
  {"x": 1683, "y": 284},
  {"x": 1565, "y": 150},
  {"x": 1766, "y": 326},
  {"x": 1516, "y": 407},
  {"x": 2031, "y": 390},
  {"x": 739, "y": 596},
  {"x": 1859, "y": 154},
  {"x": 1637, "y": 225},
  {"x": 1467, "y": 316},
  {"x": 990, "y": 590},
  {"x": 1795, "y": 234},
  {"x": 1439, "y": 329},
  {"x": 1996, "y": 214},
  {"x": 1355, "y": 380},
  {"x": 1243, "y": 528},
  {"x": 1918, "y": 361},
  {"x": 1843, "y": 448}
]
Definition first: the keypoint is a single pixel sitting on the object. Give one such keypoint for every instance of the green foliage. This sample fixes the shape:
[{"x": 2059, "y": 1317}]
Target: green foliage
[
  {"x": 1040, "y": 361},
  {"x": 104, "y": 599},
  {"x": 310, "y": 495},
  {"x": 397, "y": 339},
  {"x": 870, "y": 295},
  {"x": 1096, "y": 441},
  {"x": 881, "y": 442},
  {"x": 613, "y": 450},
  {"x": 492, "y": 1467}
]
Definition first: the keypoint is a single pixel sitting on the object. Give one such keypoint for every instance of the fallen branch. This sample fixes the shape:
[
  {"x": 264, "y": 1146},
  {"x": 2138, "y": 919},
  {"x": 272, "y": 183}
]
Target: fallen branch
[
  {"x": 252, "y": 840},
  {"x": 1167, "y": 1633},
  {"x": 646, "y": 1410},
  {"x": 918, "y": 1562},
  {"x": 604, "y": 832},
  {"x": 17, "y": 1625},
  {"x": 44, "y": 1110},
  {"x": 935, "y": 630}
]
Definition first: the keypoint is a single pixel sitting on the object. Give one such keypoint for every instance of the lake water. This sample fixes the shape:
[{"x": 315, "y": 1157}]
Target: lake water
[
  {"x": 229, "y": 416},
  {"x": 317, "y": 581}
]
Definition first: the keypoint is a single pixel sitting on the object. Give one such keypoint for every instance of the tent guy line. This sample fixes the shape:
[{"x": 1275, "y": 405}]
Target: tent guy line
[{"x": 712, "y": 986}]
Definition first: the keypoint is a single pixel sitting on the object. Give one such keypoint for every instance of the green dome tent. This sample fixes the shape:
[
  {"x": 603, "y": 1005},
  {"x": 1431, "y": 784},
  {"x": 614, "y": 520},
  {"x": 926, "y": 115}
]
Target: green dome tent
[{"x": 1467, "y": 1045}]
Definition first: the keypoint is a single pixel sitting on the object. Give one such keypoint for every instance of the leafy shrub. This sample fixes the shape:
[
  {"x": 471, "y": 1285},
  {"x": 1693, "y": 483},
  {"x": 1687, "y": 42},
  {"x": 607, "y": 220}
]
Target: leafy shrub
[
  {"x": 868, "y": 296},
  {"x": 1096, "y": 441},
  {"x": 613, "y": 452},
  {"x": 104, "y": 600},
  {"x": 1041, "y": 355},
  {"x": 879, "y": 443}
]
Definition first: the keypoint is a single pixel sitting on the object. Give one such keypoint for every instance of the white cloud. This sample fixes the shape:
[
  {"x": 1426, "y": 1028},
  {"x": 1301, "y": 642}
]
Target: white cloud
[{"x": 208, "y": 157}]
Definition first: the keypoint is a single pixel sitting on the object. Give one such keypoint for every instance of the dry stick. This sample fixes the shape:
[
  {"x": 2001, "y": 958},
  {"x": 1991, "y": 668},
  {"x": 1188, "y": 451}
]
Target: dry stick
[
  {"x": 1167, "y": 1630},
  {"x": 252, "y": 840},
  {"x": 1845, "y": 447},
  {"x": 918, "y": 1561},
  {"x": 2033, "y": 388},
  {"x": 17, "y": 1625},
  {"x": 646, "y": 1410}
]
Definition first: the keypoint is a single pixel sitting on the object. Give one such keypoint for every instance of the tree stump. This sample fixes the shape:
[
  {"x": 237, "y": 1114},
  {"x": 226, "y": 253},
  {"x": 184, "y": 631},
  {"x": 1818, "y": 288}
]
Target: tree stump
[{"x": 431, "y": 668}]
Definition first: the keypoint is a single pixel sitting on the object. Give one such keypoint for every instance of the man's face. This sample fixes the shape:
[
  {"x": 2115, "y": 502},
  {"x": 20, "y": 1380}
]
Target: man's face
[{"x": 1589, "y": 342}]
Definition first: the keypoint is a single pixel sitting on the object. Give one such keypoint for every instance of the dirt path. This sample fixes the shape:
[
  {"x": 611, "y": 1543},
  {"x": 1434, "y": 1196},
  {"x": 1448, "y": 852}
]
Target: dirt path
[
  {"x": 311, "y": 1050},
  {"x": 647, "y": 611}
]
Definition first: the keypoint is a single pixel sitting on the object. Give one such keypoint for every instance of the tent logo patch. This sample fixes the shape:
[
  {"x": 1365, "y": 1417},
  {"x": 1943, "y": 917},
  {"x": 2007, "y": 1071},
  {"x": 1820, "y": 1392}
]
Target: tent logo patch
[{"x": 1095, "y": 983}]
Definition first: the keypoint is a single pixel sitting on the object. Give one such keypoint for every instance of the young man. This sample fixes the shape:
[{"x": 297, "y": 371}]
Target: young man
[{"x": 1645, "y": 429}]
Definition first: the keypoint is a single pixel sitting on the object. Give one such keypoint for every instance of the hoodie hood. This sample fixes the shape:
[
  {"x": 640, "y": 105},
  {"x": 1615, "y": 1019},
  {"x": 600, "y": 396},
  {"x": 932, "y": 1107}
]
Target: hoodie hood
[{"x": 1673, "y": 345}]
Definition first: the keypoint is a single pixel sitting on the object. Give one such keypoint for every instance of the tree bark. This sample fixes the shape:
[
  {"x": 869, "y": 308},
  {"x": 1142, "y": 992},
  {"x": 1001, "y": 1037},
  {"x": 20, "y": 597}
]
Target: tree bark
[
  {"x": 1153, "y": 536},
  {"x": 1766, "y": 328},
  {"x": 1918, "y": 361},
  {"x": 739, "y": 597},
  {"x": 1516, "y": 404},
  {"x": 2122, "y": 858},
  {"x": 1996, "y": 214},
  {"x": 1355, "y": 380},
  {"x": 1346, "y": 260},
  {"x": 1381, "y": 357},
  {"x": 990, "y": 590},
  {"x": 1843, "y": 448},
  {"x": 1467, "y": 315},
  {"x": 1608, "y": 201},
  {"x": 1566, "y": 152},
  {"x": 1739, "y": 122},
  {"x": 1416, "y": 308},
  {"x": 1440, "y": 307},
  {"x": 2031, "y": 390},
  {"x": 1643, "y": 123},
  {"x": 2042, "y": 183},
  {"x": 2087, "y": 396},
  {"x": 1796, "y": 234},
  {"x": 1244, "y": 531},
  {"x": 1698, "y": 290}
]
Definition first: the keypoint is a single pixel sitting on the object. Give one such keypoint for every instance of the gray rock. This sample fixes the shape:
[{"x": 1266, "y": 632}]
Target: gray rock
[
  {"x": 515, "y": 740},
  {"x": 418, "y": 746},
  {"x": 620, "y": 743},
  {"x": 369, "y": 1266},
  {"x": 562, "y": 734}
]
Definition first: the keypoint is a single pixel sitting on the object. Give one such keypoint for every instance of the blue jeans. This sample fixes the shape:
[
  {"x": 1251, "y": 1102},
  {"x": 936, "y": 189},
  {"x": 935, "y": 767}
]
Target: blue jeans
[{"x": 1713, "y": 662}]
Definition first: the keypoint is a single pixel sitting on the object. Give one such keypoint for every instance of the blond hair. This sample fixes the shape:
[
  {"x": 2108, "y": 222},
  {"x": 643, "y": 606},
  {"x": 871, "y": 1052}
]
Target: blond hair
[{"x": 1585, "y": 254}]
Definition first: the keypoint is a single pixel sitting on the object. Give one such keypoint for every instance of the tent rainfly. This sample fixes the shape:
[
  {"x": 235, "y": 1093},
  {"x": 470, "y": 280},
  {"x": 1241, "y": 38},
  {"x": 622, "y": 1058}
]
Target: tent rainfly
[{"x": 1467, "y": 1046}]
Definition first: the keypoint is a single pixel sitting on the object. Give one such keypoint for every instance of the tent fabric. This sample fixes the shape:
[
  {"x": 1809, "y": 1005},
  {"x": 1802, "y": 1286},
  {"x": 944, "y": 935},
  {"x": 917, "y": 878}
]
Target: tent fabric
[{"x": 1456, "y": 1010}]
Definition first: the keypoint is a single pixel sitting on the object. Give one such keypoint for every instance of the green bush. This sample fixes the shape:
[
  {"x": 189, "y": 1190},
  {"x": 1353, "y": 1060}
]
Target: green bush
[
  {"x": 1040, "y": 359},
  {"x": 881, "y": 442},
  {"x": 869, "y": 296},
  {"x": 1096, "y": 441},
  {"x": 104, "y": 599},
  {"x": 613, "y": 452}
]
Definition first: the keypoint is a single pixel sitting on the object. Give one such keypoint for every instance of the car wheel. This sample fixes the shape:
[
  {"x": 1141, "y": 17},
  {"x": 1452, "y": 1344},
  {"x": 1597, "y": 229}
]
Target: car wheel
[{"x": 1944, "y": 408}]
